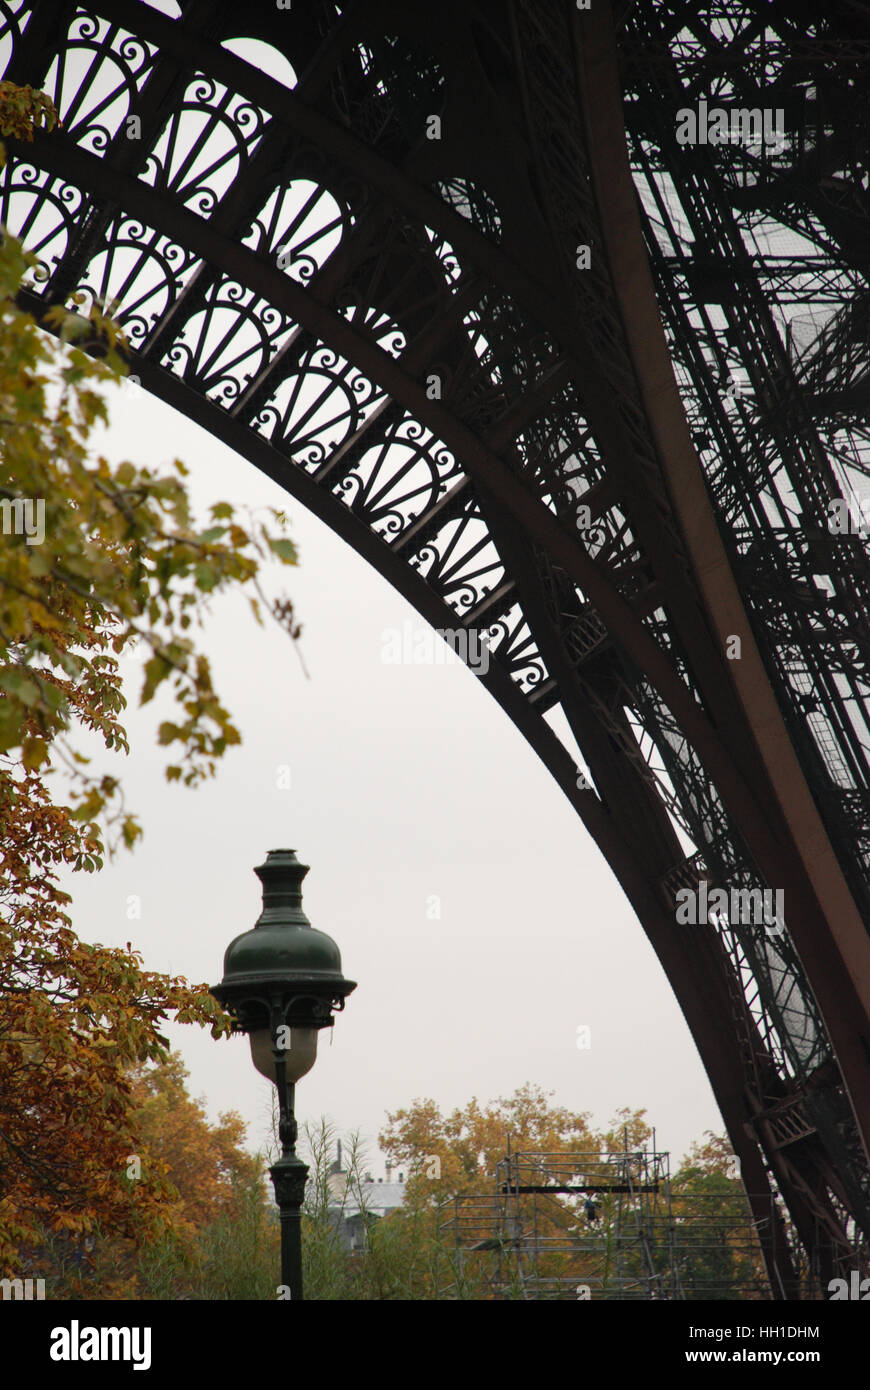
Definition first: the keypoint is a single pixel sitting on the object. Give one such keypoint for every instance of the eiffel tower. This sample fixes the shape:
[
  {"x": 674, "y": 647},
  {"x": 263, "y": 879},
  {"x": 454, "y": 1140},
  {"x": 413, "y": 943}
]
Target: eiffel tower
[{"x": 558, "y": 314}]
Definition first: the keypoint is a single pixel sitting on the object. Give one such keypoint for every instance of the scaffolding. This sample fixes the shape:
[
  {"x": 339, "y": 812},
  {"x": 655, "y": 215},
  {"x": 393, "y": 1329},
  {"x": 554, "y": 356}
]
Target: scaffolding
[{"x": 593, "y": 1226}]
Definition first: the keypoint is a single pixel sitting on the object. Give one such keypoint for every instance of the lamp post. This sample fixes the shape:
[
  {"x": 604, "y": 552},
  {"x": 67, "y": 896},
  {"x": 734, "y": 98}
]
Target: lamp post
[{"x": 282, "y": 979}]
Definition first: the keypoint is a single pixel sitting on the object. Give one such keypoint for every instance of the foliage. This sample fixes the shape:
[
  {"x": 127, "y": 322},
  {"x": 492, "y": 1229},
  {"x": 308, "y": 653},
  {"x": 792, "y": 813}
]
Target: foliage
[
  {"x": 397, "y": 1257},
  {"x": 95, "y": 561},
  {"x": 222, "y": 1237},
  {"x": 218, "y": 1233},
  {"x": 718, "y": 1249},
  {"x": 705, "y": 1247},
  {"x": 470, "y": 1141},
  {"x": 205, "y": 1163},
  {"x": 477, "y": 1255},
  {"x": 22, "y": 111}
]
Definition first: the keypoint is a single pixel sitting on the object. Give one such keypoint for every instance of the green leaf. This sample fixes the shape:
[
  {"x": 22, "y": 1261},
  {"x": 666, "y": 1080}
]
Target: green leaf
[
  {"x": 156, "y": 671},
  {"x": 34, "y": 752},
  {"x": 206, "y": 576},
  {"x": 284, "y": 549}
]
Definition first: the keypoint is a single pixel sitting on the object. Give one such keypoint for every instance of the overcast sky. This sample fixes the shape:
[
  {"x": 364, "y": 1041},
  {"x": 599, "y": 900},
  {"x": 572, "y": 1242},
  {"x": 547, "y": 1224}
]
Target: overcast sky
[{"x": 407, "y": 781}]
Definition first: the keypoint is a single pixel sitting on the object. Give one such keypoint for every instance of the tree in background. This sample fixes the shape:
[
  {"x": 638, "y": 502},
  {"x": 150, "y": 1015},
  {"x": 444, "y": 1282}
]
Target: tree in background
[
  {"x": 223, "y": 1242},
  {"x": 457, "y": 1156},
  {"x": 469, "y": 1142},
  {"x": 95, "y": 562},
  {"x": 707, "y": 1240},
  {"x": 218, "y": 1237},
  {"x": 718, "y": 1249},
  {"x": 205, "y": 1163}
]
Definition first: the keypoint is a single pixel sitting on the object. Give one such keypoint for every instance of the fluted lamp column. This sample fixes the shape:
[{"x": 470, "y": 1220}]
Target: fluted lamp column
[{"x": 282, "y": 980}]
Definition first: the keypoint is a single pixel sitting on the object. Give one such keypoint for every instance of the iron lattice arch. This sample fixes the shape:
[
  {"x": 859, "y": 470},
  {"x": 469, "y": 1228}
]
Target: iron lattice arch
[{"x": 449, "y": 277}]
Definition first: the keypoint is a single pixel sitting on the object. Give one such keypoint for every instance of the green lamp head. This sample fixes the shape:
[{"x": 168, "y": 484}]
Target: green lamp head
[{"x": 282, "y": 970}]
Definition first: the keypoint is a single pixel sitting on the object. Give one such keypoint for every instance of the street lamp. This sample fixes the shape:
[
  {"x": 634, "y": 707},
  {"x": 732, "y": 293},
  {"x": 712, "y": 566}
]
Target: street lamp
[{"x": 281, "y": 982}]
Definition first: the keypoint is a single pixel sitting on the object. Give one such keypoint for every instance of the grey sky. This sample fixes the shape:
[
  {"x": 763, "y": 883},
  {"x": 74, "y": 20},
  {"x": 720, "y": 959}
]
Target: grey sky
[{"x": 407, "y": 781}]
